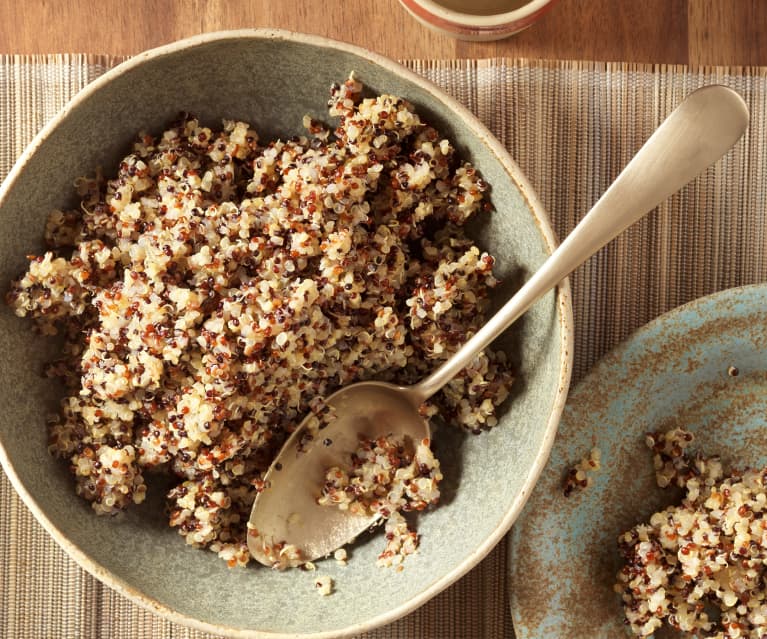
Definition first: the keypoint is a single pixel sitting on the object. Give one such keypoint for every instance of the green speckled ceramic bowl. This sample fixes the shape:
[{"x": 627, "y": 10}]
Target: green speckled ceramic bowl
[{"x": 272, "y": 79}]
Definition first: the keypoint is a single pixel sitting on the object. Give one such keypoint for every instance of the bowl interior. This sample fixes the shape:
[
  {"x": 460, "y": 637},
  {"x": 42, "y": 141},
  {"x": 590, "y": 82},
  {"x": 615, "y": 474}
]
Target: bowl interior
[{"x": 271, "y": 80}]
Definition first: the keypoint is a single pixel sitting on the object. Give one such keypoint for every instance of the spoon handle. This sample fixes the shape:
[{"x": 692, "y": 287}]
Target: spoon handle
[{"x": 696, "y": 134}]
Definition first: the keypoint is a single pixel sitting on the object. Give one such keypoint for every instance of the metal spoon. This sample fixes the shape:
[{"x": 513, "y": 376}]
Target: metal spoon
[{"x": 698, "y": 132}]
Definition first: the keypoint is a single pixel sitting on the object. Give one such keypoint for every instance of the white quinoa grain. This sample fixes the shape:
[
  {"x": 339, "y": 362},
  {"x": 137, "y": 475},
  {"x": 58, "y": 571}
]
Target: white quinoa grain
[
  {"x": 324, "y": 585},
  {"x": 341, "y": 556}
]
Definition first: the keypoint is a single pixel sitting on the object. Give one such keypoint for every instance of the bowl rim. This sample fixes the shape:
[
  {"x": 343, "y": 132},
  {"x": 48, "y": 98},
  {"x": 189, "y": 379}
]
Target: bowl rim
[
  {"x": 564, "y": 317},
  {"x": 505, "y": 22}
]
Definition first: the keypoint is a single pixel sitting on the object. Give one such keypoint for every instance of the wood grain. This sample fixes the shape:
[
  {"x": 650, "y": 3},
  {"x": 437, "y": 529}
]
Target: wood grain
[
  {"x": 695, "y": 32},
  {"x": 721, "y": 35}
]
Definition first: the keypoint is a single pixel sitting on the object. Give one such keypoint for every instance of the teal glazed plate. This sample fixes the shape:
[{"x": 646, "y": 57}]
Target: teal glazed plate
[{"x": 702, "y": 366}]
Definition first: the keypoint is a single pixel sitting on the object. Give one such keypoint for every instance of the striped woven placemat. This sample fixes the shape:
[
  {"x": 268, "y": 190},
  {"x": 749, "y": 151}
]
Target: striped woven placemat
[{"x": 571, "y": 126}]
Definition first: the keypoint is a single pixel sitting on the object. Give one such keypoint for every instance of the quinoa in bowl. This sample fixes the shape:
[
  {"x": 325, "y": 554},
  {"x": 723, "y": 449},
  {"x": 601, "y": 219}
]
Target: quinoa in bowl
[{"x": 218, "y": 287}]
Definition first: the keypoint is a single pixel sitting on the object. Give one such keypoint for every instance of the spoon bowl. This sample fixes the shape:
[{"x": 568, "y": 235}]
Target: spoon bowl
[{"x": 289, "y": 501}]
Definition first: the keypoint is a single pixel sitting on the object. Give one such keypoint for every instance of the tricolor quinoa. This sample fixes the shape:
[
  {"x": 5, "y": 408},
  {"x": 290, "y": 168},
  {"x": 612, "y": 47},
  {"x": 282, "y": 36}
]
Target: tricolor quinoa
[
  {"x": 699, "y": 565},
  {"x": 388, "y": 476},
  {"x": 216, "y": 287},
  {"x": 580, "y": 476}
]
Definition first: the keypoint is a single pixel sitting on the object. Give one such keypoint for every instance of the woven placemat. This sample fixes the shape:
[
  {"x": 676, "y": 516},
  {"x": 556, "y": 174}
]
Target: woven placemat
[{"x": 571, "y": 126}]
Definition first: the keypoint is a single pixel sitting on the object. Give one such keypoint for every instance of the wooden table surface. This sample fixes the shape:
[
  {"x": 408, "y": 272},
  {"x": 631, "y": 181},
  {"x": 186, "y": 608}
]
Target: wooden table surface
[{"x": 695, "y": 32}]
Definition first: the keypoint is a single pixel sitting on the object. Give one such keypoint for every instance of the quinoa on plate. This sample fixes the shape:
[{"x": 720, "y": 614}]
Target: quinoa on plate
[{"x": 699, "y": 565}]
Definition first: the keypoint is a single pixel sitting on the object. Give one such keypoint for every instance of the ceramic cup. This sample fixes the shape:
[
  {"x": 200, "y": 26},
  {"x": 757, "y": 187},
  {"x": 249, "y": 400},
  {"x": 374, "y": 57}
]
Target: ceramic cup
[{"x": 479, "y": 20}]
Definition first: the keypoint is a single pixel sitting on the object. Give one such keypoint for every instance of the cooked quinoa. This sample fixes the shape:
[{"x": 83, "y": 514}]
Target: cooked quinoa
[
  {"x": 387, "y": 477},
  {"x": 581, "y": 476},
  {"x": 341, "y": 556},
  {"x": 324, "y": 585},
  {"x": 698, "y": 566},
  {"x": 215, "y": 287}
]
